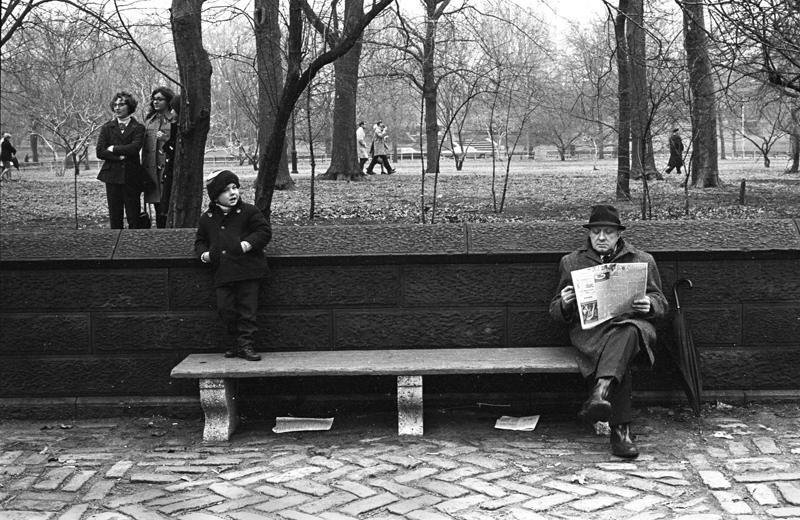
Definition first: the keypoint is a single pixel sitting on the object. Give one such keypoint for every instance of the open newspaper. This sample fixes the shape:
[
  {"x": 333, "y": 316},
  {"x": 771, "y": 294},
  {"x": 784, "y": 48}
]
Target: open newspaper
[{"x": 606, "y": 291}]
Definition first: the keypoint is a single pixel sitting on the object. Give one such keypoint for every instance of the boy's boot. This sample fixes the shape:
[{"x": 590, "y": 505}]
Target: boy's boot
[
  {"x": 248, "y": 353},
  {"x": 622, "y": 444},
  {"x": 597, "y": 407}
]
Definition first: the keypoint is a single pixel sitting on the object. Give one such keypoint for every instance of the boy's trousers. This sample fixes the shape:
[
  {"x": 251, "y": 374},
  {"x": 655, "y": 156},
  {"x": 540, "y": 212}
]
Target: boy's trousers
[{"x": 237, "y": 305}]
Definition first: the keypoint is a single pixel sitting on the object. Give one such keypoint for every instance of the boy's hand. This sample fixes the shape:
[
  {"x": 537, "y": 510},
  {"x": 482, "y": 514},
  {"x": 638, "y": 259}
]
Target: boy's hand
[
  {"x": 205, "y": 258},
  {"x": 246, "y": 246}
]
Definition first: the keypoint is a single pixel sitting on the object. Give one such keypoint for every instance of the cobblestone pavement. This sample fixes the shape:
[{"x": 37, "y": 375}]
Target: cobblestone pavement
[{"x": 739, "y": 463}]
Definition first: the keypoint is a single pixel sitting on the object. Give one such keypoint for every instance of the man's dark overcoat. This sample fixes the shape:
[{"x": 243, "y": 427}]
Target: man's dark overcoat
[
  {"x": 590, "y": 343},
  {"x": 675, "y": 151},
  {"x": 127, "y": 145}
]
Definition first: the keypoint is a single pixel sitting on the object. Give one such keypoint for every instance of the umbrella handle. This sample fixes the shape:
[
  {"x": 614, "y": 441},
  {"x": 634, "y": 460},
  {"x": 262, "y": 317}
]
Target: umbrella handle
[{"x": 675, "y": 290}]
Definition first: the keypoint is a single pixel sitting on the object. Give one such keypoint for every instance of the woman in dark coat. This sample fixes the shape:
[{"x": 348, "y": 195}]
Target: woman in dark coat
[
  {"x": 606, "y": 350},
  {"x": 158, "y": 128},
  {"x": 118, "y": 146},
  {"x": 675, "y": 152}
]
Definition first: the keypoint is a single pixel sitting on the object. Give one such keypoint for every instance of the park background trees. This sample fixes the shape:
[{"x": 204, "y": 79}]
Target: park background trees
[{"x": 627, "y": 76}]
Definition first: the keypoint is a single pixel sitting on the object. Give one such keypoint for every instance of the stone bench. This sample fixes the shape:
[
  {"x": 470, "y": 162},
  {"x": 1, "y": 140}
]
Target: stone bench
[{"x": 216, "y": 374}]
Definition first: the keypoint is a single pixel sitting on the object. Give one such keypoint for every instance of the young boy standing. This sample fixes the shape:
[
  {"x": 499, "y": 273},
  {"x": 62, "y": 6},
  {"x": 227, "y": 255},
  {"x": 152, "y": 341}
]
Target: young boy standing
[{"x": 231, "y": 237}]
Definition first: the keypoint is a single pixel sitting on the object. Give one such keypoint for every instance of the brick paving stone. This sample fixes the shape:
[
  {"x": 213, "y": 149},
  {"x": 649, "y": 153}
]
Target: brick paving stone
[
  {"x": 142, "y": 496},
  {"x": 39, "y": 505},
  {"x": 287, "y": 460},
  {"x": 355, "y": 488},
  {"x": 14, "y": 514},
  {"x": 326, "y": 462},
  {"x": 649, "y": 515},
  {"x": 53, "y": 478},
  {"x": 523, "y": 514},
  {"x": 442, "y": 488},
  {"x": 738, "y": 449},
  {"x": 309, "y": 487},
  {"x": 228, "y": 490},
  {"x": 406, "y": 506},
  {"x": 766, "y": 445},
  {"x": 12, "y": 470},
  {"x": 755, "y": 465},
  {"x": 333, "y": 515},
  {"x": 35, "y": 459},
  {"x": 286, "y": 502},
  {"x": 483, "y": 461},
  {"x": 252, "y": 479},
  {"x": 195, "y": 503},
  {"x": 732, "y": 503},
  {"x": 249, "y": 515},
  {"x": 73, "y": 513},
  {"x": 617, "y": 466},
  {"x": 236, "y": 474},
  {"x": 481, "y": 486},
  {"x": 9, "y": 457},
  {"x": 600, "y": 475},
  {"x": 441, "y": 462},
  {"x": 371, "y": 471},
  {"x": 78, "y": 480},
  {"x": 188, "y": 484},
  {"x": 296, "y": 515},
  {"x": 393, "y": 487},
  {"x": 459, "y": 504},
  {"x": 99, "y": 490},
  {"x": 588, "y": 505},
  {"x": 507, "y": 500},
  {"x": 546, "y": 502},
  {"x": 762, "y": 494},
  {"x": 337, "y": 473},
  {"x": 714, "y": 479},
  {"x": 790, "y": 492},
  {"x": 699, "y": 461},
  {"x": 649, "y": 485},
  {"x": 196, "y": 515},
  {"x": 271, "y": 491},
  {"x": 405, "y": 461},
  {"x": 522, "y": 488},
  {"x": 717, "y": 453},
  {"x": 368, "y": 504},
  {"x": 119, "y": 469},
  {"x": 784, "y": 512},
  {"x": 615, "y": 490},
  {"x": 700, "y": 516},
  {"x": 331, "y": 501},
  {"x": 566, "y": 487},
  {"x": 416, "y": 474},
  {"x": 458, "y": 473},
  {"x": 426, "y": 514},
  {"x": 154, "y": 478},
  {"x": 175, "y": 498},
  {"x": 292, "y": 474},
  {"x": 497, "y": 475},
  {"x": 643, "y": 503},
  {"x": 22, "y": 483},
  {"x": 239, "y": 503},
  {"x": 766, "y": 477},
  {"x": 657, "y": 475}
]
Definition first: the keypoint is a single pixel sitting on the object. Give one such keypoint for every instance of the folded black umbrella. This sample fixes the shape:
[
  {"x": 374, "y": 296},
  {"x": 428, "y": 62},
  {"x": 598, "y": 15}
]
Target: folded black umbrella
[{"x": 685, "y": 353}]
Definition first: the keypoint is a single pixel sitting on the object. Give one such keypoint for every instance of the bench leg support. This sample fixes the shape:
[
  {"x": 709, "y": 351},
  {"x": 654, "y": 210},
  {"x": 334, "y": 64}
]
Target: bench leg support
[
  {"x": 409, "y": 405},
  {"x": 219, "y": 406}
]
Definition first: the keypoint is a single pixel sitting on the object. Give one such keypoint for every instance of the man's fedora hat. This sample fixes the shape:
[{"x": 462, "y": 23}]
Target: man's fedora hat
[{"x": 604, "y": 215}]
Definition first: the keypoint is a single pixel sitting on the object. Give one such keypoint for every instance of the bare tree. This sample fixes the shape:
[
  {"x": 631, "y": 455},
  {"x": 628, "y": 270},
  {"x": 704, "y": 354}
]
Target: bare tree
[{"x": 701, "y": 83}]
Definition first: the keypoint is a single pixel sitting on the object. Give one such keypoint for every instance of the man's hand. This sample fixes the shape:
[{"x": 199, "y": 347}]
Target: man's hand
[
  {"x": 641, "y": 305},
  {"x": 568, "y": 296}
]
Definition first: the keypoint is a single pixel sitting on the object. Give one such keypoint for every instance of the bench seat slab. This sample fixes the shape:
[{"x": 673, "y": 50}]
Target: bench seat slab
[
  {"x": 409, "y": 405},
  {"x": 218, "y": 400}
]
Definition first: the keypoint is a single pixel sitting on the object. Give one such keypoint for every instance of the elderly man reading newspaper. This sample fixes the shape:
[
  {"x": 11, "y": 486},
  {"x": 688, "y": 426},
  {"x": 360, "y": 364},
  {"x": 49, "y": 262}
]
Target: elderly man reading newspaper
[{"x": 609, "y": 344}]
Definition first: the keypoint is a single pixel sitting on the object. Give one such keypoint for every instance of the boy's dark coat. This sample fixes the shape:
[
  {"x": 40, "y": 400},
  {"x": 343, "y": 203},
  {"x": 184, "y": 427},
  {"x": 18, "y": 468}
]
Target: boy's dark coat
[{"x": 221, "y": 235}]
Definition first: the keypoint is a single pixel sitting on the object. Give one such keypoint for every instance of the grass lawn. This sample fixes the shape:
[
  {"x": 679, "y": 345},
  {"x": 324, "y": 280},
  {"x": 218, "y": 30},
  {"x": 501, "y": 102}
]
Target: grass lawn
[{"x": 36, "y": 199}]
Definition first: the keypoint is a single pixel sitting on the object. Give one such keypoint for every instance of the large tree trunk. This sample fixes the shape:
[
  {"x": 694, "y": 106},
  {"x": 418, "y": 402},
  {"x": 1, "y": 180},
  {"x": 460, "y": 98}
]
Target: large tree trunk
[
  {"x": 794, "y": 137},
  {"x": 705, "y": 172},
  {"x": 193, "y": 124},
  {"x": 267, "y": 32},
  {"x": 623, "y": 190},
  {"x": 344, "y": 154},
  {"x": 430, "y": 88}
]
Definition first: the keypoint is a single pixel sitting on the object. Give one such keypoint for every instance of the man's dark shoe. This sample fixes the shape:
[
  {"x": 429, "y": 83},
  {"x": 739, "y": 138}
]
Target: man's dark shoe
[
  {"x": 622, "y": 444},
  {"x": 248, "y": 353},
  {"x": 369, "y": 172},
  {"x": 597, "y": 407}
]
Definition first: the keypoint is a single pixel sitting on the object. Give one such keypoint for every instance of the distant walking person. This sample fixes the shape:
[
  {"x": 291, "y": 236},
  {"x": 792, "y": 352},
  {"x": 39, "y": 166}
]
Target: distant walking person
[
  {"x": 361, "y": 143},
  {"x": 118, "y": 146},
  {"x": 675, "y": 152},
  {"x": 380, "y": 149},
  {"x": 7, "y": 155},
  {"x": 158, "y": 127}
]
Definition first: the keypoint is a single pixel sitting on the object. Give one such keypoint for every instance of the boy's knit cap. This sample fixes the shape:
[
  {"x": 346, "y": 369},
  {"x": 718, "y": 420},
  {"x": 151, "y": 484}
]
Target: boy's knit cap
[{"x": 218, "y": 180}]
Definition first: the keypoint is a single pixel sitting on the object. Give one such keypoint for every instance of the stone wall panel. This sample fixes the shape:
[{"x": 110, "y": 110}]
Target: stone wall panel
[
  {"x": 534, "y": 327},
  {"x": 405, "y": 328},
  {"x": 737, "y": 281},
  {"x": 773, "y": 323},
  {"x": 44, "y": 334}
]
